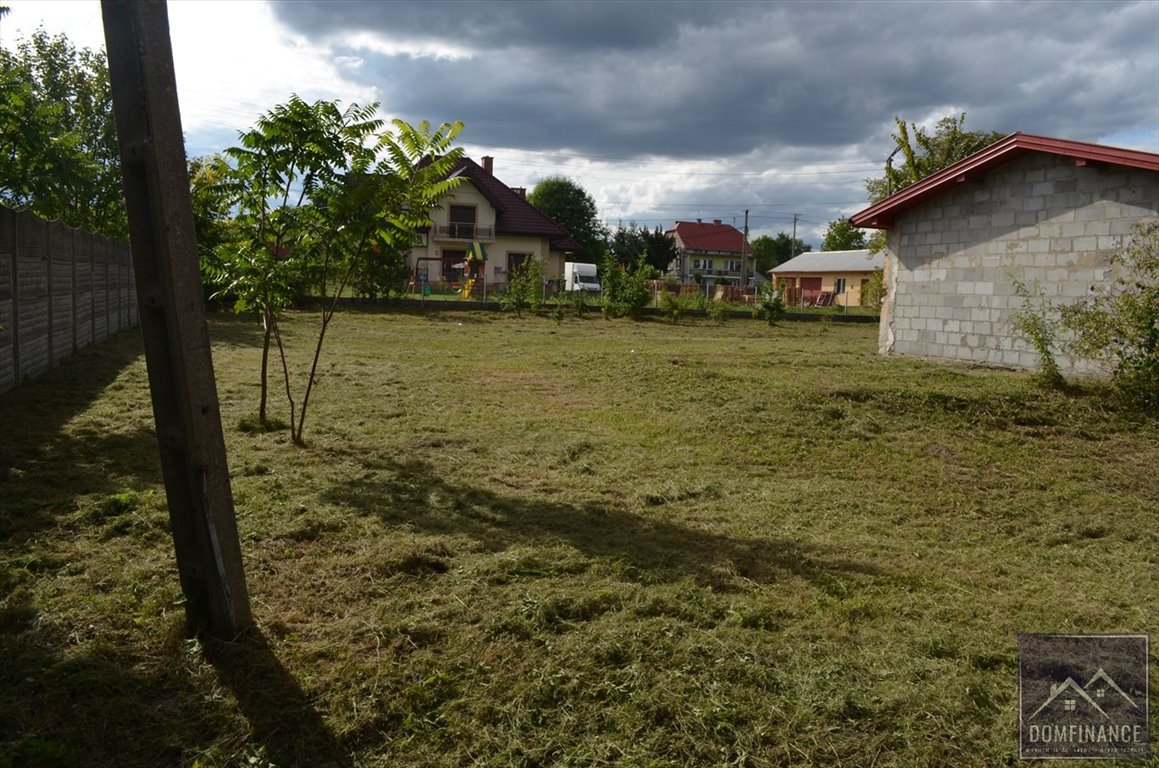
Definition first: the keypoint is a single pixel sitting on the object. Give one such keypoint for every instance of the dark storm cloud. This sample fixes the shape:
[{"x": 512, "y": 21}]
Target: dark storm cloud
[
  {"x": 721, "y": 79},
  {"x": 765, "y": 91}
]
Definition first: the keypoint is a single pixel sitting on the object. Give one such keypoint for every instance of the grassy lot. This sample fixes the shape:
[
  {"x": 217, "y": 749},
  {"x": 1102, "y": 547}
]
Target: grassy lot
[{"x": 516, "y": 542}]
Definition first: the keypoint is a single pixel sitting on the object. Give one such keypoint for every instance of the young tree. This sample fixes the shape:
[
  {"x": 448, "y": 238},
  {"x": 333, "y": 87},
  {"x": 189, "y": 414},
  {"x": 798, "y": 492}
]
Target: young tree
[
  {"x": 570, "y": 206},
  {"x": 843, "y": 236},
  {"x": 313, "y": 201},
  {"x": 58, "y": 143}
]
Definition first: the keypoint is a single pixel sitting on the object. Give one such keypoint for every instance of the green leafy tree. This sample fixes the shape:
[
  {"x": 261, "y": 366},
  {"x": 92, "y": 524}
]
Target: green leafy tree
[
  {"x": 629, "y": 242},
  {"x": 924, "y": 154},
  {"x": 212, "y": 212},
  {"x": 843, "y": 236},
  {"x": 769, "y": 252},
  {"x": 313, "y": 201},
  {"x": 58, "y": 144},
  {"x": 569, "y": 205}
]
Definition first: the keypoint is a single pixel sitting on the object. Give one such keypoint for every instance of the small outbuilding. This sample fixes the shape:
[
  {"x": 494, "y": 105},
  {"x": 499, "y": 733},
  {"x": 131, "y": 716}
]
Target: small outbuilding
[
  {"x": 826, "y": 278},
  {"x": 1046, "y": 212}
]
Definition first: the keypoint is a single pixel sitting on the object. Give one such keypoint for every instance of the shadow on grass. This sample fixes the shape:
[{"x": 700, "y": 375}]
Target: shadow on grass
[
  {"x": 415, "y": 493},
  {"x": 85, "y": 700},
  {"x": 45, "y": 467},
  {"x": 71, "y": 697},
  {"x": 279, "y": 712},
  {"x": 226, "y": 327}
]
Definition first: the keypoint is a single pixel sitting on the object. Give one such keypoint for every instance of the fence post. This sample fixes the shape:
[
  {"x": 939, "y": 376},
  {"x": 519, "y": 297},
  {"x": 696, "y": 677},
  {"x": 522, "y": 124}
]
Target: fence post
[
  {"x": 172, "y": 317},
  {"x": 16, "y": 375}
]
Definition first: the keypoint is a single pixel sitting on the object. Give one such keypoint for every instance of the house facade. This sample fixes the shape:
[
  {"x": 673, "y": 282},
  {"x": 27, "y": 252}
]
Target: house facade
[
  {"x": 826, "y": 277},
  {"x": 1046, "y": 212},
  {"x": 484, "y": 211},
  {"x": 715, "y": 252}
]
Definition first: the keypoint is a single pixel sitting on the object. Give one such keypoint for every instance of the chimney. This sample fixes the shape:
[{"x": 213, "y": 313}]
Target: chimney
[
  {"x": 716, "y": 222},
  {"x": 489, "y": 164},
  {"x": 521, "y": 191}
]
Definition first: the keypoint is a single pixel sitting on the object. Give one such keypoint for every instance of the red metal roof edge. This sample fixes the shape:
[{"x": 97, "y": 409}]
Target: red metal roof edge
[{"x": 881, "y": 214}]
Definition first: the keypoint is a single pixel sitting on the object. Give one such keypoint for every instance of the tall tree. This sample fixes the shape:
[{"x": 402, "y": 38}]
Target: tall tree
[
  {"x": 58, "y": 143},
  {"x": 769, "y": 252},
  {"x": 843, "y": 236},
  {"x": 629, "y": 242},
  {"x": 924, "y": 153},
  {"x": 572, "y": 207}
]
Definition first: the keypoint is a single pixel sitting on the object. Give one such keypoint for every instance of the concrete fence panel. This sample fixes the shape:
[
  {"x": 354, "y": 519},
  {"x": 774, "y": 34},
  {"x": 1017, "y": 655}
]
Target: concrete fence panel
[{"x": 60, "y": 289}]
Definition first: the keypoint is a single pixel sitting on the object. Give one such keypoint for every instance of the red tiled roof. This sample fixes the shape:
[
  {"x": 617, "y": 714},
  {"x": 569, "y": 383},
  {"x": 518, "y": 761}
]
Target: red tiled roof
[
  {"x": 701, "y": 236},
  {"x": 513, "y": 214},
  {"x": 881, "y": 215}
]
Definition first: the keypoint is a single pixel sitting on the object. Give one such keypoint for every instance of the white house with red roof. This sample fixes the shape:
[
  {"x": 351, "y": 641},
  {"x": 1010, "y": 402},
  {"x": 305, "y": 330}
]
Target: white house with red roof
[
  {"x": 715, "y": 252},
  {"x": 1030, "y": 208},
  {"x": 484, "y": 211}
]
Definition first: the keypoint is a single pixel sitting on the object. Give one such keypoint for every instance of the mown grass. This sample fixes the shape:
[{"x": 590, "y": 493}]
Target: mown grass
[{"x": 520, "y": 542}]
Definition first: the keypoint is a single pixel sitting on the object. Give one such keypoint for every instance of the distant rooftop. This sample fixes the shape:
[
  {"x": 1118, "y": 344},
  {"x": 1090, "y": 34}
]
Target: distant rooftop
[
  {"x": 702, "y": 236},
  {"x": 832, "y": 261}
]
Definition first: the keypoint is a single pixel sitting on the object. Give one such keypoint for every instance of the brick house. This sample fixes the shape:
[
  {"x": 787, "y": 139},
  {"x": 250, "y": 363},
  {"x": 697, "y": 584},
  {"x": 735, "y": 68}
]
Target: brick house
[
  {"x": 484, "y": 210},
  {"x": 715, "y": 252},
  {"x": 1032, "y": 208}
]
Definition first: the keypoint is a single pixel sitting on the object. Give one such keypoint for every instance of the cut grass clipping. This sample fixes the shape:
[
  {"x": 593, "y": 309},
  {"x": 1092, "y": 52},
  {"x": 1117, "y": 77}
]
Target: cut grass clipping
[{"x": 531, "y": 542}]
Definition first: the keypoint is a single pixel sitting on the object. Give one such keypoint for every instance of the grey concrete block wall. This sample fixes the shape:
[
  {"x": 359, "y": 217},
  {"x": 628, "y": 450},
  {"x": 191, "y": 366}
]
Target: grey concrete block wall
[
  {"x": 952, "y": 261},
  {"x": 60, "y": 289}
]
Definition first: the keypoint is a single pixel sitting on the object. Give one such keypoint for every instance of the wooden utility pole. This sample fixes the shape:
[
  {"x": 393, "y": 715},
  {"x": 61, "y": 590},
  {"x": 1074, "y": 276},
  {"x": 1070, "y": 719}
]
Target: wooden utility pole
[
  {"x": 172, "y": 314},
  {"x": 744, "y": 277}
]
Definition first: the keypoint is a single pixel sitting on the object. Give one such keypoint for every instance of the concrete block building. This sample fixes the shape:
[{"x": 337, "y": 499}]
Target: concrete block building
[{"x": 1043, "y": 211}]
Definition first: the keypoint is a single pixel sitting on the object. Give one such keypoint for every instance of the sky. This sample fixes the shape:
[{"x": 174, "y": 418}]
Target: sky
[{"x": 667, "y": 111}]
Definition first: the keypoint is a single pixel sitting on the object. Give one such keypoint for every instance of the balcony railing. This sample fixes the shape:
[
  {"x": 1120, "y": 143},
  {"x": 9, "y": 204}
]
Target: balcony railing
[{"x": 457, "y": 231}]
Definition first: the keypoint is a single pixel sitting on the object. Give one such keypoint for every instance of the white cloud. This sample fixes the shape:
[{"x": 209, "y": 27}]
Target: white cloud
[{"x": 233, "y": 60}]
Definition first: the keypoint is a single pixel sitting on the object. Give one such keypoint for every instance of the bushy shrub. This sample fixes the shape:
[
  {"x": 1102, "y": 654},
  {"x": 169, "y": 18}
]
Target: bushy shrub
[
  {"x": 626, "y": 292},
  {"x": 1120, "y": 325},
  {"x": 769, "y": 304},
  {"x": 672, "y": 306},
  {"x": 873, "y": 291},
  {"x": 1037, "y": 321},
  {"x": 525, "y": 288},
  {"x": 718, "y": 311}
]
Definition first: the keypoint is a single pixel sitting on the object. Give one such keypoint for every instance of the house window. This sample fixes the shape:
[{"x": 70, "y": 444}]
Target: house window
[
  {"x": 515, "y": 262},
  {"x": 702, "y": 264},
  {"x": 734, "y": 266},
  {"x": 839, "y": 286},
  {"x": 462, "y": 221}
]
